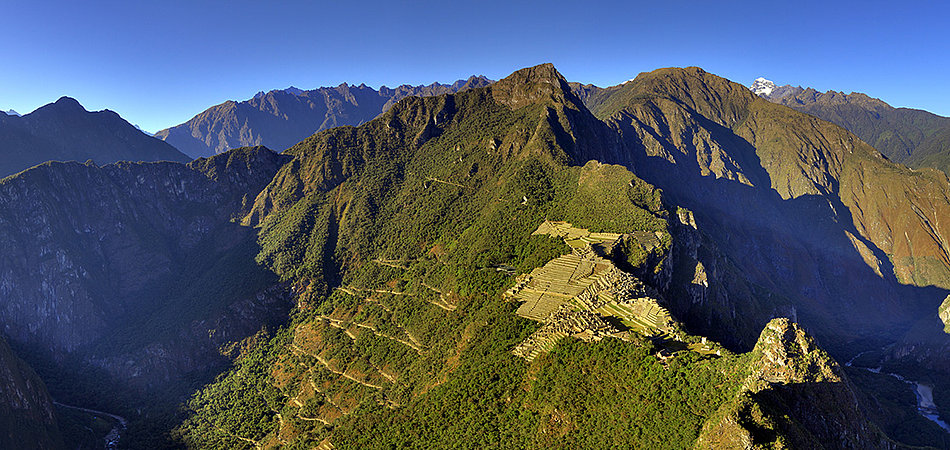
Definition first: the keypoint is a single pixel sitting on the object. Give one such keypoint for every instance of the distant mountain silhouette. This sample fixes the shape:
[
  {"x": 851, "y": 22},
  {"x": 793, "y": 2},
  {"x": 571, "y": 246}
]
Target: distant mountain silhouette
[
  {"x": 281, "y": 118},
  {"x": 65, "y": 131}
]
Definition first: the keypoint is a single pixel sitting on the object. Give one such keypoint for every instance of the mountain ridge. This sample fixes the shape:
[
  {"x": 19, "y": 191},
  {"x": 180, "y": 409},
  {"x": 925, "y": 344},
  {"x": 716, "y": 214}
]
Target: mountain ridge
[
  {"x": 910, "y": 136},
  {"x": 395, "y": 240},
  {"x": 280, "y": 118},
  {"x": 64, "y": 131}
]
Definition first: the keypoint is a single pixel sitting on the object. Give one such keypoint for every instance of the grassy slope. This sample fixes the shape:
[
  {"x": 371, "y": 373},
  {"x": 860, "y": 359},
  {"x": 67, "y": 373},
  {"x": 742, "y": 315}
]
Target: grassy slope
[{"x": 908, "y": 136}]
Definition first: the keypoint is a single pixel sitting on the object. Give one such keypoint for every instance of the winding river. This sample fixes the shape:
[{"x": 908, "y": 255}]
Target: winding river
[
  {"x": 924, "y": 393},
  {"x": 111, "y": 439}
]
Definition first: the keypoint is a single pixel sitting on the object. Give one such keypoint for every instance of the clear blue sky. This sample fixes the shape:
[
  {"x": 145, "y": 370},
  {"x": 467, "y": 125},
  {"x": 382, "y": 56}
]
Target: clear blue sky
[{"x": 159, "y": 63}]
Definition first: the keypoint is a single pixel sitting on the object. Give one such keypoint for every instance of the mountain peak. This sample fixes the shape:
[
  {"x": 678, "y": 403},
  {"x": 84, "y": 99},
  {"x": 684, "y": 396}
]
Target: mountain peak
[
  {"x": 796, "y": 394},
  {"x": 762, "y": 87},
  {"x": 531, "y": 85},
  {"x": 788, "y": 354},
  {"x": 68, "y": 102},
  {"x": 539, "y": 73}
]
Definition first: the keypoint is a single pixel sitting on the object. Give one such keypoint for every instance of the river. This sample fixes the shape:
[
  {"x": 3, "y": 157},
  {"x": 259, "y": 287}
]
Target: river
[
  {"x": 924, "y": 393},
  {"x": 111, "y": 439}
]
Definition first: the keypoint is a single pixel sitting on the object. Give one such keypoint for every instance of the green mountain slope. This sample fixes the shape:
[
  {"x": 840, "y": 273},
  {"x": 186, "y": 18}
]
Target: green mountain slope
[
  {"x": 65, "y": 131},
  {"x": 405, "y": 232},
  {"x": 280, "y": 118},
  {"x": 909, "y": 136}
]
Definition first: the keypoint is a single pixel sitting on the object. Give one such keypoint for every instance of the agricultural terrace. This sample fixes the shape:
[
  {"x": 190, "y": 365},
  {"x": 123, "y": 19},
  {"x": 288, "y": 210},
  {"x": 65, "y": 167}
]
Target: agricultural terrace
[{"x": 584, "y": 295}]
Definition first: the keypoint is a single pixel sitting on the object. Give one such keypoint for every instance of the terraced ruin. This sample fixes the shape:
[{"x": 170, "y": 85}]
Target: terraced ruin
[{"x": 584, "y": 295}]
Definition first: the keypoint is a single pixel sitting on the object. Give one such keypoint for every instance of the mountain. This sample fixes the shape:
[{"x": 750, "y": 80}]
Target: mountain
[
  {"x": 795, "y": 396},
  {"x": 65, "y": 131},
  {"x": 409, "y": 228},
  {"x": 789, "y": 198},
  {"x": 909, "y": 136},
  {"x": 121, "y": 283},
  {"x": 853, "y": 242},
  {"x": 11, "y": 112},
  {"x": 281, "y": 118},
  {"x": 762, "y": 87},
  {"x": 531, "y": 263},
  {"x": 27, "y": 416}
]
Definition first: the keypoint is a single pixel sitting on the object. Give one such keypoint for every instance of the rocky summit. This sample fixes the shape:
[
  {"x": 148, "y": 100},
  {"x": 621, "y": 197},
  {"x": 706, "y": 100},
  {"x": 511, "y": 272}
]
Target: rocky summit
[{"x": 671, "y": 262}]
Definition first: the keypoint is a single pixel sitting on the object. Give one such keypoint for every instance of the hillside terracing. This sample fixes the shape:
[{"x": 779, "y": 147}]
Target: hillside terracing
[{"x": 583, "y": 294}]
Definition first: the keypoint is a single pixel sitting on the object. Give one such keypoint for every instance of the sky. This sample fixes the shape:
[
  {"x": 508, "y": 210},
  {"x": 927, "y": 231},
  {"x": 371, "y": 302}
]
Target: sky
[{"x": 158, "y": 63}]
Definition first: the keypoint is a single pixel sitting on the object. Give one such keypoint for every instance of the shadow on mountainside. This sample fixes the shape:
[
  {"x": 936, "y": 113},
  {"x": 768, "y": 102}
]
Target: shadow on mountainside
[{"x": 804, "y": 248}]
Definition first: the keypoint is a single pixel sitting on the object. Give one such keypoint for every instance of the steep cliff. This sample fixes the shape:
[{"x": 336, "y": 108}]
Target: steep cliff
[
  {"x": 134, "y": 272},
  {"x": 795, "y": 396}
]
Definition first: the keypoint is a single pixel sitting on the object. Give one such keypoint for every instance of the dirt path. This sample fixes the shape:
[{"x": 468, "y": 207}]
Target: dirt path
[{"x": 442, "y": 303}]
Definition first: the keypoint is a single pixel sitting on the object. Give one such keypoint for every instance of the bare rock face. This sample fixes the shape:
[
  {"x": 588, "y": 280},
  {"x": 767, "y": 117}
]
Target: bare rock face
[
  {"x": 795, "y": 396},
  {"x": 129, "y": 266},
  {"x": 944, "y": 313}
]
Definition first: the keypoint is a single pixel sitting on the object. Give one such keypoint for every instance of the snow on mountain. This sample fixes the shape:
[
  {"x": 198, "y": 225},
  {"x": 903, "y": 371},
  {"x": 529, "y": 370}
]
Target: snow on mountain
[
  {"x": 140, "y": 129},
  {"x": 762, "y": 87},
  {"x": 11, "y": 113}
]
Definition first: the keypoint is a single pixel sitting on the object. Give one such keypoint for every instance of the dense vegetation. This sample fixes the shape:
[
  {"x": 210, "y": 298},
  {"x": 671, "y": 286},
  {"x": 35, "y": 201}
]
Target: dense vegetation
[
  {"x": 398, "y": 238},
  {"x": 402, "y": 339}
]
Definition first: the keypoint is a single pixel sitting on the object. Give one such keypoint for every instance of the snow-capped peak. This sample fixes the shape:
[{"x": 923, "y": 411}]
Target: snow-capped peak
[
  {"x": 762, "y": 87},
  {"x": 11, "y": 113}
]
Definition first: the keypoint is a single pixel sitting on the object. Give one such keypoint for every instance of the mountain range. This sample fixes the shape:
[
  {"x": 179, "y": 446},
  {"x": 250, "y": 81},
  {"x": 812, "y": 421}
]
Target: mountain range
[
  {"x": 909, "y": 136},
  {"x": 65, "y": 131},
  {"x": 671, "y": 262},
  {"x": 279, "y": 119}
]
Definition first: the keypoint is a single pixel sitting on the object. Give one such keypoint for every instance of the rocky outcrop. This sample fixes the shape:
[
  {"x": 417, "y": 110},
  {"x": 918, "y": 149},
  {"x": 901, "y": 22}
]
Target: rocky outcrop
[
  {"x": 795, "y": 396},
  {"x": 280, "y": 118},
  {"x": 944, "y": 313}
]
